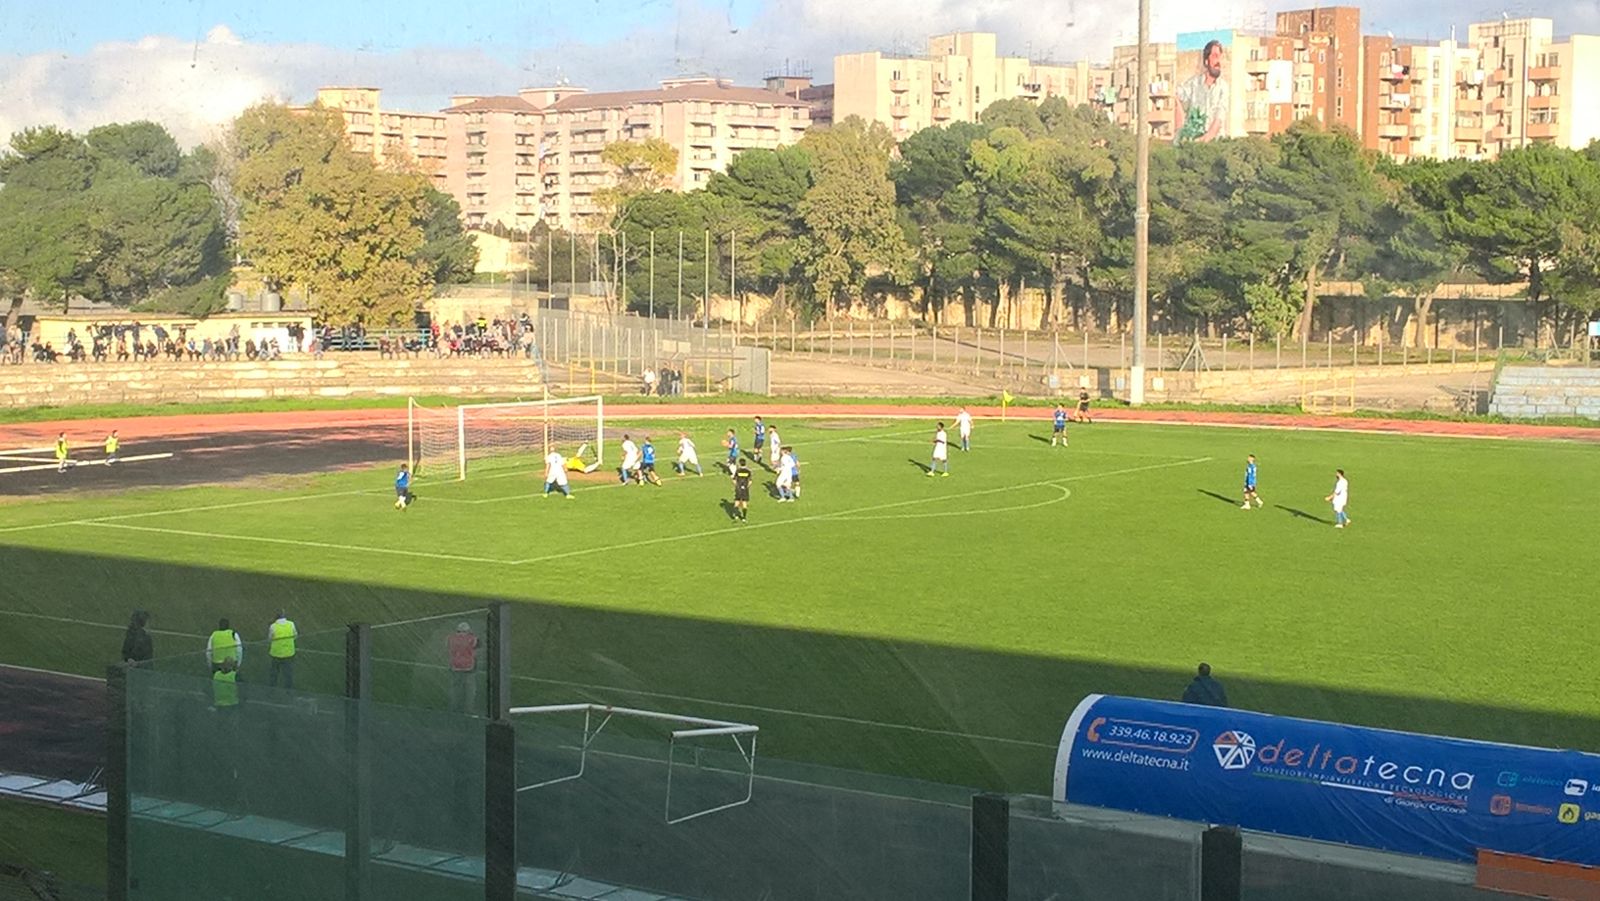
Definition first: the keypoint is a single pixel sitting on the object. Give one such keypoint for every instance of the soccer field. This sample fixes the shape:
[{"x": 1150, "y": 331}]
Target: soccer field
[{"x": 941, "y": 628}]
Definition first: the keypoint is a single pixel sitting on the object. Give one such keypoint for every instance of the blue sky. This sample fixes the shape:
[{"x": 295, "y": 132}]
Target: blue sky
[
  {"x": 194, "y": 64},
  {"x": 75, "y": 26}
]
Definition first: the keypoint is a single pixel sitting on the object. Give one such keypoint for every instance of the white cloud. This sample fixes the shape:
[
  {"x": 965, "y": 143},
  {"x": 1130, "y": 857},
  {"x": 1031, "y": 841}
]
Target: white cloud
[{"x": 194, "y": 88}]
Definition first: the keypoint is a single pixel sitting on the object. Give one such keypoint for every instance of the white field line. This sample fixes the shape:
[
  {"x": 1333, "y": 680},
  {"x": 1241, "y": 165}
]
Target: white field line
[
  {"x": 293, "y": 542},
  {"x": 74, "y": 464},
  {"x": 871, "y": 508},
  {"x": 584, "y": 686}
]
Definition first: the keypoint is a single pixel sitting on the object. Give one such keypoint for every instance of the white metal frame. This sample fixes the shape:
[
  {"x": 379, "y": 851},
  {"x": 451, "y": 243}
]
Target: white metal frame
[
  {"x": 701, "y": 728},
  {"x": 461, "y": 425}
]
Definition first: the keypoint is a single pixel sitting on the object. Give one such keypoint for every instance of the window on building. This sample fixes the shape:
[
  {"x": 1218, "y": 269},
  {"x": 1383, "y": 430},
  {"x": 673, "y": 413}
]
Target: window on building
[
  {"x": 1339, "y": 78},
  {"x": 1338, "y": 107},
  {"x": 1322, "y": 56}
]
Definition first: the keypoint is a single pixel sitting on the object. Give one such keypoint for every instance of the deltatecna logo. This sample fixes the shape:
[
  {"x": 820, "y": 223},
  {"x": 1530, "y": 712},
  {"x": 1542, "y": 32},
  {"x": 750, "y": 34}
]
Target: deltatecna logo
[{"x": 1234, "y": 749}]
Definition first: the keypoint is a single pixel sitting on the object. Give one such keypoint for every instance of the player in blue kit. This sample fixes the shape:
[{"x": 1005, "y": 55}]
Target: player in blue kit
[
  {"x": 760, "y": 438},
  {"x": 647, "y": 467},
  {"x": 1059, "y": 432},
  {"x": 1250, "y": 483},
  {"x": 731, "y": 442},
  {"x": 402, "y": 487}
]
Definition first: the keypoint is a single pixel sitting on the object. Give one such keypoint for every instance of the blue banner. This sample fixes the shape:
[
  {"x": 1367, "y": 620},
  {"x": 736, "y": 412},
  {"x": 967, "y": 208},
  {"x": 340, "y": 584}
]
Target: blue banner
[{"x": 1393, "y": 791}]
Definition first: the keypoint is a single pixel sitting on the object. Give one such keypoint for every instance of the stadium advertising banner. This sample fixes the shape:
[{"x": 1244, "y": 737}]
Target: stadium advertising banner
[{"x": 1393, "y": 791}]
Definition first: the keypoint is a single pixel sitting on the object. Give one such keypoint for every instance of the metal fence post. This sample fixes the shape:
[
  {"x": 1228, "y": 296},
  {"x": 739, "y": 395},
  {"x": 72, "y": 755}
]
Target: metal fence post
[
  {"x": 118, "y": 793},
  {"x": 1221, "y": 864},
  {"x": 991, "y": 848},
  {"x": 500, "y": 810},
  {"x": 358, "y": 763}
]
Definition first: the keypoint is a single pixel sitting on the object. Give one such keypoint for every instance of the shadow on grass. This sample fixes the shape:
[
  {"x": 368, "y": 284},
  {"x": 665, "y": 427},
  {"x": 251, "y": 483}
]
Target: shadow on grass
[
  {"x": 1042, "y": 439},
  {"x": 919, "y": 464},
  {"x": 728, "y": 508},
  {"x": 1221, "y": 497},
  {"x": 982, "y": 718},
  {"x": 1301, "y": 514}
]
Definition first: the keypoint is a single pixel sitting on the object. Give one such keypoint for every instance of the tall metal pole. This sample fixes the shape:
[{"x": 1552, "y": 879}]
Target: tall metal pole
[
  {"x": 733, "y": 266},
  {"x": 652, "y": 274},
  {"x": 680, "y": 275},
  {"x": 705, "y": 279},
  {"x": 1141, "y": 210}
]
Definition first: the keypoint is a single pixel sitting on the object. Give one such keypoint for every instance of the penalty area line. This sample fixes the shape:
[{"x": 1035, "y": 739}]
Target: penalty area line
[{"x": 818, "y": 517}]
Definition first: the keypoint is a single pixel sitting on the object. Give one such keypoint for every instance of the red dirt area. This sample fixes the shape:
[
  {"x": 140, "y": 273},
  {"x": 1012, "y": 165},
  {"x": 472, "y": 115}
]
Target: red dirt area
[{"x": 133, "y": 429}]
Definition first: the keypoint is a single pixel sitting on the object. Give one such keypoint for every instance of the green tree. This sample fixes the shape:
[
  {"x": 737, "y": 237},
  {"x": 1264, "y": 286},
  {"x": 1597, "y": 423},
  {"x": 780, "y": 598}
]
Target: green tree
[
  {"x": 768, "y": 187},
  {"x": 1412, "y": 255},
  {"x": 852, "y": 233},
  {"x": 116, "y": 216},
  {"x": 1046, "y": 200},
  {"x": 939, "y": 203},
  {"x": 448, "y": 252},
  {"x": 1526, "y": 216},
  {"x": 1320, "y": 198},
  {"x": 320, "y": 216}
]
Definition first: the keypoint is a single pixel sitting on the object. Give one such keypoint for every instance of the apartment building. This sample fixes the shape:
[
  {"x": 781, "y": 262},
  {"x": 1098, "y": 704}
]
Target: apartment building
[
  {"x": 392, "y": 137},
  {"x": 1165, "y": 78},
  {"x": 1328, "y": 63},
  {"x": 957, "y": 78},
  {"x": 708, "y": 120},
  {"x": 1535, "y": 88}
]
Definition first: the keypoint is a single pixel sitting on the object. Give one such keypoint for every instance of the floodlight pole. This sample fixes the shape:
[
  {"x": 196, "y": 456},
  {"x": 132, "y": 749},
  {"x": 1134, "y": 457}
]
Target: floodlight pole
[{"x": 1141, "y": 209}]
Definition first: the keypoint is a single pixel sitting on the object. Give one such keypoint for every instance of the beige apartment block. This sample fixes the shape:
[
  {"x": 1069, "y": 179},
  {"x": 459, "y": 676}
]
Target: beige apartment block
[
  {"x": 1535, "y": 87},
  {"x": 709, "y": 122},
  {"x": 536, "y": 156},
  {"x": 1164, "y": 81},
  {"x": 958, "y": 77},
  {"x": 393, "y": 138}
]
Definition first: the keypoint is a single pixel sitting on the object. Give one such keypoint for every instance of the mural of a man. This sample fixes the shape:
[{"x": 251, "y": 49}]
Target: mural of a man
[{"x": 1203, "y": 99}]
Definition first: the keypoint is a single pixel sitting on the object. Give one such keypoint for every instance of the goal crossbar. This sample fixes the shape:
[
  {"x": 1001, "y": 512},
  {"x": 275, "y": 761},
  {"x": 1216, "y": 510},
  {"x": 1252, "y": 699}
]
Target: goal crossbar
[
  {"x": 455, "y": 436},
  {"x": 597, "y": 716}
]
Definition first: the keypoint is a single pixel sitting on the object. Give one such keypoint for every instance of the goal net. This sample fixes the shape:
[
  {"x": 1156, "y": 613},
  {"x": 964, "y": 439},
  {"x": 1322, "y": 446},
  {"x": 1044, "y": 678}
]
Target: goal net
[{"x": 504, "y": 435}]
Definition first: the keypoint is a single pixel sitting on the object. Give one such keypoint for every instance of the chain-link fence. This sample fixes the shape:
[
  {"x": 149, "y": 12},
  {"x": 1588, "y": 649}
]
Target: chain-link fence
[{"x": 596, "y": 352}]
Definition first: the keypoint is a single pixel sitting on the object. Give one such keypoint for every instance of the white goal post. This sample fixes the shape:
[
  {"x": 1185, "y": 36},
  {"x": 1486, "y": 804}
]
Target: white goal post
[
  {"x": 520, "y": 432},
  {"x": 597, "y": 716}
]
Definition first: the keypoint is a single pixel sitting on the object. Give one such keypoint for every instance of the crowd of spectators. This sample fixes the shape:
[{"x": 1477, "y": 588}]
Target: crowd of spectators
[{"x": 135, "y": 341}]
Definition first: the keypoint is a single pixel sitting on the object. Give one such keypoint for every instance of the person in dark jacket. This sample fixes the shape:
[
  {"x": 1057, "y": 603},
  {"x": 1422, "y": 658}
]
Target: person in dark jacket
[
  {"x": 1205, "y": 690},
  {"x": 137, "y": 646}
]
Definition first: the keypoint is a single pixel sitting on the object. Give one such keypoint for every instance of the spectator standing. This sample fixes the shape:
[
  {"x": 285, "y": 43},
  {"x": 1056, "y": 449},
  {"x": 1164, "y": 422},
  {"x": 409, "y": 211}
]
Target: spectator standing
[
  {"x": 280, "y": 648},
  {"x": 224, "y": 645},
  {"x": 1205, "y": 690},
  {"x": 137, "y": 646},
  {"x": 463, "y": 650}
]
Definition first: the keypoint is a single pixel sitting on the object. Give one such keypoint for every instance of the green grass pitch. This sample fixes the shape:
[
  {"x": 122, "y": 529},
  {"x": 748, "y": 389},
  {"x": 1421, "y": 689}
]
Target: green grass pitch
[{"x": 941, "y": 628}]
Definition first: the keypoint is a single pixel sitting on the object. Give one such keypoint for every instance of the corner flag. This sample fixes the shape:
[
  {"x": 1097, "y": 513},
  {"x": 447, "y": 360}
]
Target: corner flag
[{"x": 1005, "y": 401}]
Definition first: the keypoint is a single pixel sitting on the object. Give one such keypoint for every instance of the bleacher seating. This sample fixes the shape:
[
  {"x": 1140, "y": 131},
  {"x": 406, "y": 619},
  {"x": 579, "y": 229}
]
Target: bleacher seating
[
  {"x": 336, "y": 375},
  {"x": 1537, "y": 392}
]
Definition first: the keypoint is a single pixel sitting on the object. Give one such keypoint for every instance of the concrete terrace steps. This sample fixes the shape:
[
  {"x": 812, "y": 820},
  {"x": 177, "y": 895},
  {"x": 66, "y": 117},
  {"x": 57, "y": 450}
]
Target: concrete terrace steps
[
  {"x": 333, "y": 376},
  {"x": 1540, "y": 391}
]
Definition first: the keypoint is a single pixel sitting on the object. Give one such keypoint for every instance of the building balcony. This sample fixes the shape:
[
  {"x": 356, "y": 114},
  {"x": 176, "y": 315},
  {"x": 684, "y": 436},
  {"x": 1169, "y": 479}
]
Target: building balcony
[
  {"x": 1472, "y": 133},
  {"x": 1394, "y": 101},
  {"x": 1256, "y": 66},
  {"x": 941, "y": 114},
  {"x": 941, "y": 85},
  {"x": 1395, "y": 73},
  {"x": 1497, "y": 105},
  {"x": 1544, "y": 73},
  {"x": 899, "y": 85},
  {"x": 1160, "y": 89},
  {"x": 1543, "y": 130},
  {"x": 1158, "y": 116},
  {"x": 1497, "y": 133},
  {"x": 1544, "y": 101},
  {"x": 1419, "y": 130},
  {"x": 1257, "y": 126},
  {"x": 1470, "y": 104},
  {"x": 1393, "y": 130},
  {"x": 1495, "y": 76},
  {"x": 1469, "y": 77},
  {"x": 900, "y": 110}
]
